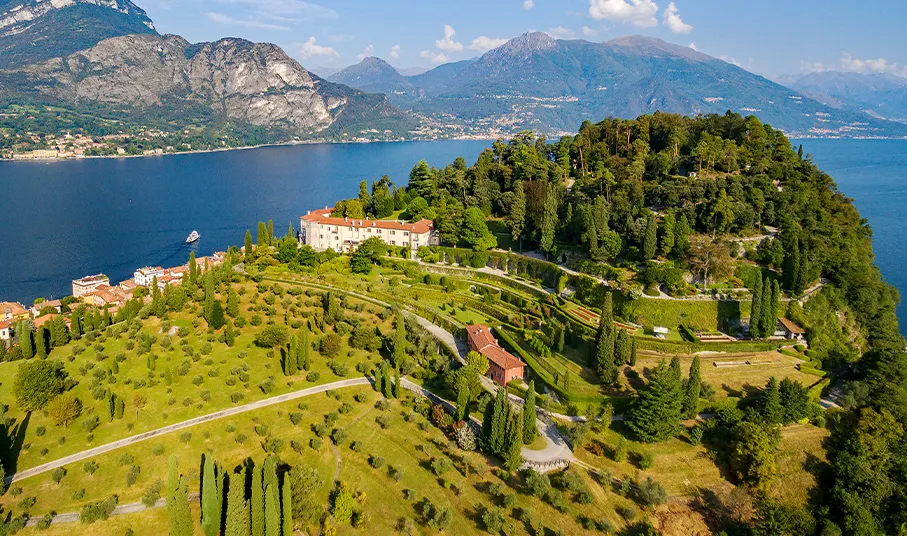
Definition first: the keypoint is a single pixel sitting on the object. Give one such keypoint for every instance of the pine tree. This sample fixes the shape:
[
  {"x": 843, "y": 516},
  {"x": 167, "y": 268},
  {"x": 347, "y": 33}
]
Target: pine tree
[
  {"x": 498, "y": 422},
  {"x": 756, "y": 309},
  {"x": 258, "y": 503},
  {"x": 286, "y": 506},
  {"x": 691, "y": 393},
  {"x": 463, "y": 398},
  {"x": 238, "y": 521},
  {"x": 304, "y": 353},
  {"x": 604, "y": 343},
  {"x": 272, "y": 512},
  {"x": 512, "y": 454},
  {"x": 211, "y": 492},
  {"x": 178, "y": 502},
  {"x": 770, "y": 405},
  {"x": 650, "y": 239},
  {"x": 529, "y": 427},
  {"x": 656, "y": 412}
]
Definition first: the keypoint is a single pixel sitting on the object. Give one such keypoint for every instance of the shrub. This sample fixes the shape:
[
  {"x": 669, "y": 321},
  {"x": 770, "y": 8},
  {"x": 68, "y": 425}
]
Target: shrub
[
  {"x": 99, "y": 511},
  {"x": 58, "y": 474},
  {"x": 376, "y": 462},
  {"x": 272, "y": 445},
  {"x": 383, "y": 421},
  {"x": 651, "y": 493},
  {"x": 296, "y": 418},
  {"x": 439, "y": 466},
  {"x": 315, "y": 443},
  {"x": 186, "y": 437},
  {"x": 338, "y": 436},
  {"x": 78, "y": 494},
  {"x": 90, "y": 423},
  {"x": 126, "y": 459},
  {"x": 241, "y": 438},
  {"x": 262, "y": 429},
  {"x": 646, "y": 460},
  {"x": 158, "y": 450},
  {"x": 90, "y": 467},
  {"x": 132, "y": 475}
]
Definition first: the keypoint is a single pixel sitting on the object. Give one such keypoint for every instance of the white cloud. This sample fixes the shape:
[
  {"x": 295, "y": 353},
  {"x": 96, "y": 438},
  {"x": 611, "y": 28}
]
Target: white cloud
[
  {"x": 561, "y": 33},
  {"x": 589, "y": 32},
  {"x": 484, "y": 44},
  {"x": 434, "y": 57},
  {"x": 849, "y": 63},
  {"x": 220, "y": 18},
  {"x": 671, "y": 19},
  {"x": 303, "y": 10},
  {"x": 733, "y": 61},
  {"x": 395, "y": 52},
  {"x": 640, "y": 13},
  {"x": 693, "y": 46},
  {"x": 368, "y": 51},
  {"x": 310, "y": 49},
  {"x": 528, "y": 4},
  {"x": 447, "y": 43}
]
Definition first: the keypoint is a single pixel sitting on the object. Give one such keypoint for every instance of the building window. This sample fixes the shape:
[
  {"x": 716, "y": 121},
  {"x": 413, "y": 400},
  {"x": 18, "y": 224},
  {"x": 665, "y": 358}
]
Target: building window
[{"x": 405, "y": 233}]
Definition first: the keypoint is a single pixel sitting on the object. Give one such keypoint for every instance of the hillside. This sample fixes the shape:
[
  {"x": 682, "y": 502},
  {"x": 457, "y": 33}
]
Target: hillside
[
  {"x": 551, "y": 85},
  {"x": 880, "y": 95}
]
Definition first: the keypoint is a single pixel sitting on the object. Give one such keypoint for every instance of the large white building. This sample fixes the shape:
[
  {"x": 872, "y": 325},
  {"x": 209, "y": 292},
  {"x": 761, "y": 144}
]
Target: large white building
[
  {"x": 322, "y": 231},
  {"x": 88, "y": 284},
  {"x": 144, "y": 277}
]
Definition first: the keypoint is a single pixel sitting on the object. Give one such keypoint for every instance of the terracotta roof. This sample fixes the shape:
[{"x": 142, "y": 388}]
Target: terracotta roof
[
  {"x": 791, "y": 327},
  {"x": 502, "y": 358},
  {"x": 480, "y": 336},
  {"x": 47, "y": 318},
  {"x": 13, "y": 308},
  {"x": 324, "y": 217},
  {"x": 7, "y": 323}
]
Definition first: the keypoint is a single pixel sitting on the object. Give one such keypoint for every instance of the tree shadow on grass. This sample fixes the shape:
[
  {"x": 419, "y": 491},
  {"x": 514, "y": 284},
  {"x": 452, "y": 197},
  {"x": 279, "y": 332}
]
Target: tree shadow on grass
[{"x": 12, "y": 438}]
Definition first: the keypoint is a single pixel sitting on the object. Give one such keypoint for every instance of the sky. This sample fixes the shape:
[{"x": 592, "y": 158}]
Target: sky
[{"x": 768, "y": 37}]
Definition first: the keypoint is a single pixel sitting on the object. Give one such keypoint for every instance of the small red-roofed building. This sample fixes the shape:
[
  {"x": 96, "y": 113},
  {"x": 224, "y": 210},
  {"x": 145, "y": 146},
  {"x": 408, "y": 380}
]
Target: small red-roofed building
[{"x": 503, "y": 367}]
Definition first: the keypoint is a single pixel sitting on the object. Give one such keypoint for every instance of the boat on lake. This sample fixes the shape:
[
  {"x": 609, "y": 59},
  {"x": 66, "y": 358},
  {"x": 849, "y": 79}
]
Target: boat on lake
[{"x": 193, "y": 237}]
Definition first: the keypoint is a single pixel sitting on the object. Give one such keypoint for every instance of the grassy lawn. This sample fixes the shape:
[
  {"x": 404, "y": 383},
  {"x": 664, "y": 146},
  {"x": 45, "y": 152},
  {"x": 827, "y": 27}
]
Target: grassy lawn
[
  {"x": 800, "y": 460},
  {"x": 207, "y": 385},
  {"x": 734, "y": 381}
]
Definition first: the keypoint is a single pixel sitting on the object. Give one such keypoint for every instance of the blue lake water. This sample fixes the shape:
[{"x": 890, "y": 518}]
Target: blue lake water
[
  {"x": 63, "y": 220},
  {"x": 874, "y": 174}
]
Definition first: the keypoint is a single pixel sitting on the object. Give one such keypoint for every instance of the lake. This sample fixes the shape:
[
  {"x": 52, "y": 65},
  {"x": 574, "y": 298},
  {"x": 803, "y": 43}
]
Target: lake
[{"x": 64, "y": 220}]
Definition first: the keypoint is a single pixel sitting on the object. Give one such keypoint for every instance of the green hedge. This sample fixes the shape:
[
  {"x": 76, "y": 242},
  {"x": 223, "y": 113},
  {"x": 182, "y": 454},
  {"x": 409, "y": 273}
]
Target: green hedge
[{"x": 546, "y": 272}]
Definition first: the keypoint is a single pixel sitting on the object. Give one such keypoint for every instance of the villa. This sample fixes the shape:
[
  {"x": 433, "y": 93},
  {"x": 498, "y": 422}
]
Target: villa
[
  {"x": 322, "y": 231},
  {"x": 87, "y": 284},
  {"x": 503, "y": 367},
  {"x": 12, "y": 311},
  {"x": 36, "y": 309},
  {"x": 144, "y": 277}
]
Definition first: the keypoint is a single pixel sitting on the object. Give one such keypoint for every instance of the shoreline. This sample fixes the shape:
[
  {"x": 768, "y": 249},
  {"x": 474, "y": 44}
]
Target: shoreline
[{"x": 240, "y": 148}]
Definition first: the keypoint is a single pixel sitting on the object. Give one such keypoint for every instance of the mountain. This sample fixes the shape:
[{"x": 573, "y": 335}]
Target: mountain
[
  {"x": 137, "y": 75},
  {"x": 551, "y": 85},
  {"x": 880, "y": 95},
  {"x": 37, "y": 30}
]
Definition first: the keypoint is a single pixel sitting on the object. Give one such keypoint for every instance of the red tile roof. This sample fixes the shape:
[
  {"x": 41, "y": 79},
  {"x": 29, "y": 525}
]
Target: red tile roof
[
  {"x": 481, "y": 340},
  {"x": 502, "y": 358},
  {"x": 13, "y": 308},
  {"x": 480, "y": 337},
  {"x": 791, "y": 326},
  {"x": 324, "y": 217}
]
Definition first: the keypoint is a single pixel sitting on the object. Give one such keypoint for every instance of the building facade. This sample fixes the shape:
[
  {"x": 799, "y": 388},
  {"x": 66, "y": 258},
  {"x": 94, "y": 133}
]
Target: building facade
[
  {"x": 322, "y": 231},
  {"x": 144, "y": 277},
  {"x": 87, "y": 284},
  {"x": 503, "y": 367}
]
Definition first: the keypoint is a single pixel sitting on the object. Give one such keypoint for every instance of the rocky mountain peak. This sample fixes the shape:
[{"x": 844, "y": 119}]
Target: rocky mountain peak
[{"x": 521, "y": 47}]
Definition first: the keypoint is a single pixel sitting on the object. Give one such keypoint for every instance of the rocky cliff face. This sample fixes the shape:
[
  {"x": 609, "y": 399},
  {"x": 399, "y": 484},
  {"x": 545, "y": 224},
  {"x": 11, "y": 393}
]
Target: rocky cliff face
[{"x": 252, "y": 82}]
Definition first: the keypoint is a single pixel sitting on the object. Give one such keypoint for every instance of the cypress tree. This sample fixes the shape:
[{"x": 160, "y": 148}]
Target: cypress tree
[
  {"x": 229, "y": 335},
  {"x": 655, "y": 414},
  {"x": 633, "y": 353},
  {"x": 178, "y": 502},
  {"x": 399, "y": 354},
  {"x": 559, "y": 342},
  {"x": 756, "y": 309},
  {"x": 463, "y": 398},
  {"x": 386, "y": 387},
  {"x": 512, "y": 455},
  {"x": 622, "y": 348},
  {"x": 210, "y": 502},
  {"x": 770, "y": 405},
  {"x": 792, "y": 265},
  {"x": 379, "y": 381},
  {"x": 529, "y": 428},
  {"x": 498, "y": 422},
  {"x": 258, "y": 503},
  {"x": 766, "y": 322},
  {"x": 286, "y": 506},
  {"x": 261, "y": 240},
  {"x": 272, "y": 512},
  {"x": 667, "y": 237},
  {"x": 604, "y": 343},
  {"x": 193, "y": 269},
  {"x": 292, "y": 358},
  {"x": 270, "y": 232},
  {"x": 40, "y": 346},
  {"x": 396, "y": 382},
  {"x": 25, "y": 339},
  {"x": 691, "y": 393},
  {"x": 650, "y": 239},
  {"x": 238, "y": 522},
  {"x": 774, "y": 304},
  {"x": 675, "y": 370},
  {"x": 303, "y": 354},
  {"x": 802, "y": 274}
]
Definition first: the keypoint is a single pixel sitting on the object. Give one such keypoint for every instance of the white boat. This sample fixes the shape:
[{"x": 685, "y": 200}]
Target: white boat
[{"x": 193, "y": 236}]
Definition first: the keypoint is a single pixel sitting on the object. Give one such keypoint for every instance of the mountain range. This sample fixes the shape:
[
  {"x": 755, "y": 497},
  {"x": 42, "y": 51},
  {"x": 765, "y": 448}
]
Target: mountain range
[
  {"x": 552, "y": 85},
  {"x": 881, "y": 95},
  {"x": 105, "y": 59}
]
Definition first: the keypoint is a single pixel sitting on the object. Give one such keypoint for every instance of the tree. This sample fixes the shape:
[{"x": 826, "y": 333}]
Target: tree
[
  {"x": 342, "y": 503},
  {"x": 270, "y": 232},
  {"x": 37, "y": 383},
  {"x": 604, "y": 343},
  {"x": 711, "y": 260},
  {"x": 463, "y": 398},
  {"x": 398, "y": 357},
  {"x": 291, "y": 360},
  {"x": 26, "y": 345},
  {"x": 667, "y": 237},
  {"x": 498, "y": 422},
  {"x": 211, "y": 498},
  {"x": 792, "y": 265},
  {"x": 217, "y": 319},
  {"x": 770, "y": 404},
  {"x": 286, "y": 506},
  {"x": 650, "y": 239},
  {"x": 272, "y": 336},
  {"x": 529, "y": 428},
  {"x": 247, "y": 248},
  {"x": 622, "y": 347},
  {"x": 420, "y": 181},
  {"x": 193, "y": 266},
  {"x": 549, "y": 219},
  {"x": 474, "y": 231},
  {"x": 513, "y": 457},
  {"x": 261, "y": 237},
  {"x": 756, "y": 308},
  {"x": 656, "y": 412},
  {"x": 305, "y": 349},
  {"x": 752, "y": 453},
  {"x": 258, "y": 503},
  {"x": 633, "y": 353},
  {"x": 64, "y": 409},
  {"x": 238, "y": 521},
  {"x": 178, "y": 502},
  {"x": 272, "y": 512},
  {"x": 397, "y": 386},
  {"x": 232, "y": 303},
  {"x": 516, "y": 218},
  {"x": 691, "y": 391}
]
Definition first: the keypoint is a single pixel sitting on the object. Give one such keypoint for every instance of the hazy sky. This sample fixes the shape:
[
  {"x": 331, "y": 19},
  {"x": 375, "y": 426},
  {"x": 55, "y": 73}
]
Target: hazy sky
[{"x": 769, "y": 37}]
